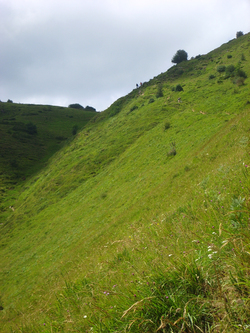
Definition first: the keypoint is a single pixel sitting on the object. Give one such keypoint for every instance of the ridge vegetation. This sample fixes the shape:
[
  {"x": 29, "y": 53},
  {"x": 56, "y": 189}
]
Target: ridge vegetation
[{"x": 140, "y": 223}]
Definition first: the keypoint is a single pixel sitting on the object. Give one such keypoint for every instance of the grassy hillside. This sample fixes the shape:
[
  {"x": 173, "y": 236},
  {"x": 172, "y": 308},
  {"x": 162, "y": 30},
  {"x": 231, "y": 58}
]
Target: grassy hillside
[
  {"x": 29, "y": 136},
  {"x": 141, "y": 223}
]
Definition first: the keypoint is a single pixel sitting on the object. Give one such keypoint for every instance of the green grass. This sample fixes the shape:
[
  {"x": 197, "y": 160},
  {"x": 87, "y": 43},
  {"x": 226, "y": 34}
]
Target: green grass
[{"x": 115, "y": 234}]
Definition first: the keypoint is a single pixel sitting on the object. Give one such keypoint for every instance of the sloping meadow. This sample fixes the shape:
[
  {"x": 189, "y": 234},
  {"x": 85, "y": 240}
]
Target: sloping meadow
[{"x": 141, "y": 224}]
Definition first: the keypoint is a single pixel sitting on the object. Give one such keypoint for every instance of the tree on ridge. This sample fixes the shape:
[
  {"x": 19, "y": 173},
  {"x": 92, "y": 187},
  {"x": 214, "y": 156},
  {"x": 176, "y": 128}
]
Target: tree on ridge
[{"x": 179, "y": 56}]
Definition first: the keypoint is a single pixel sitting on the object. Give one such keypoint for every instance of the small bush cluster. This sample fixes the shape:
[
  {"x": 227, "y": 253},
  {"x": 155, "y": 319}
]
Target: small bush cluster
[
  {"x": 151, "y": 100},
  {"x": 178, "y": 88},
  {"x": 80, "y": 107},
  {"x": 159, "y": 91},
  {"x": 241, "y": 73},
  {"x": 239, "y": 34},
  {"x": 211, "y": 77},
  {"x": 231, "y": 71},
  {"x": 167, "y": 125},
  {"x": 221, "y": 68},
  {"x": 172, "y": 151},
  {"x": 29, "y": 128},
  {"x": 133, "y": 108},
  {"x": 103, "y": 195},
  {"x": 76, "y": 106}
]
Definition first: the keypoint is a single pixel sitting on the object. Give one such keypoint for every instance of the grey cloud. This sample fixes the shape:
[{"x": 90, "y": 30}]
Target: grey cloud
[{"x": 92, "y": 52}]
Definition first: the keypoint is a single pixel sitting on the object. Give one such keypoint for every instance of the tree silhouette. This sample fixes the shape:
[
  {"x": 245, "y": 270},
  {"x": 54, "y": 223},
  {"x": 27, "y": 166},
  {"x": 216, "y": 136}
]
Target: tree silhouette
[
  {"x": 179, "y": 56},
  {"x": 239, "y": 33}
]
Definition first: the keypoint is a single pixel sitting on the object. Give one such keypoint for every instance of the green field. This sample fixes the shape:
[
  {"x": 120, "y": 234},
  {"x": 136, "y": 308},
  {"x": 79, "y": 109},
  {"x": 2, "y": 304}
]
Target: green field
[{"x": 140, "y": 222}]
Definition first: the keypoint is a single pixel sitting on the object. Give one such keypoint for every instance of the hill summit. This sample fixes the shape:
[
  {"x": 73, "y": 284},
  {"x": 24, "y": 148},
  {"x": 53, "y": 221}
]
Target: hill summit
[{"x": 140, "y": 222}]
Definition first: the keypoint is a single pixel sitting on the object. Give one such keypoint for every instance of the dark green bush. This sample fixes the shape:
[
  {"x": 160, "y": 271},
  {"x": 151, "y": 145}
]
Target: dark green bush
[
  {"x": 178, "y": 88},
  {"x": 159, "y": 91},
  {"x": 243, "y": 57},
  {"x": 172, "y": 151},
  {"x": 31, "y": 128},
  {"x": 76, "y": 106},
  {"x": 80, "y": 107},
  {"x": 90, "y": 108},
  {"x": 103, "y": 195},
  {"x": 151, "y": 101},
  {"x": 241, "y": 73},
  {"x": 211, "y": 77},
  {"x": 229, "y": 56},
  {"x": 167, "y": 125},
  {"x": 133, "y": 108},
  {"x": 239, "y": 34},
  {"x": 230, "y": 69},
  {"x": 221, "y": 68}
]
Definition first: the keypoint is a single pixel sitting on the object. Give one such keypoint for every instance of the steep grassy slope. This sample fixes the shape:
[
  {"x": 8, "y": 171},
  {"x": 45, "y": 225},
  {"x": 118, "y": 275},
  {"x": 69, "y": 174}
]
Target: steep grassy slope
[
  {"x": 29, "y": 136},
  {"x": 141, "y": 223}
]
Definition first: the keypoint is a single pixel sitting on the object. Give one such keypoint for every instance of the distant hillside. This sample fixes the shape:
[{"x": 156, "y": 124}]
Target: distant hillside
[
  {"x": 30, "y": 135},
  {"x": 141, "y": 223}
]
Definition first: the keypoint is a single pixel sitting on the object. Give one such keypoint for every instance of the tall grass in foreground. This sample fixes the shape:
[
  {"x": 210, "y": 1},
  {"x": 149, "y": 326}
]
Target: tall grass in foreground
[{"x": 187, "y": 271}]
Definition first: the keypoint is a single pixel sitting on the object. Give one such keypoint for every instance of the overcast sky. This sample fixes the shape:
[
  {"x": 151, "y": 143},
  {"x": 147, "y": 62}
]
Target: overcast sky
[{"x": 92, "y": 52}]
